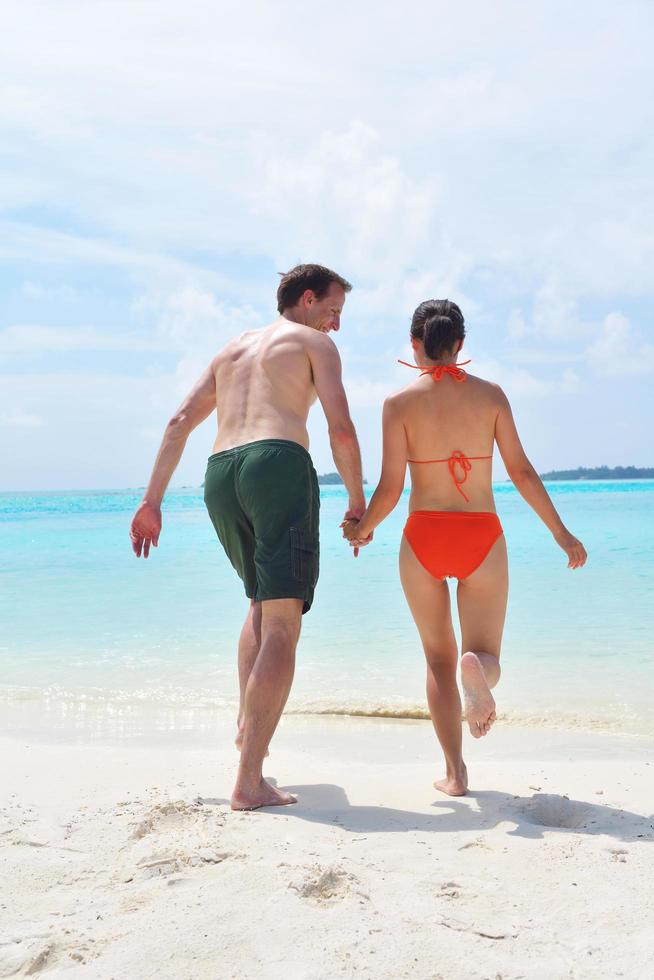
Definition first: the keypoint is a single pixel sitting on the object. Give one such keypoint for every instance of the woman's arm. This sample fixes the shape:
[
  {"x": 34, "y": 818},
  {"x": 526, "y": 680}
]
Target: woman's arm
[
  {"x": 528, "y": 483},
  {"x": 391, "y": 481}
]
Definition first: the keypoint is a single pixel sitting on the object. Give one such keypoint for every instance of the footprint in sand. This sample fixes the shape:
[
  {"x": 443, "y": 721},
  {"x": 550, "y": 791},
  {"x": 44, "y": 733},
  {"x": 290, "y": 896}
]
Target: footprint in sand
[
  {"x": 25, "y": 957},
  {"x": 161, "y": 865},
  {"x": 171, "y": 816},
  {"x": 478, "y": 842},
  {"x": 549, "y": 810},
  {"x": 450, "y": 889},
  {"x": 171, "y": 838},
  {"x": 328, "y": 885}
]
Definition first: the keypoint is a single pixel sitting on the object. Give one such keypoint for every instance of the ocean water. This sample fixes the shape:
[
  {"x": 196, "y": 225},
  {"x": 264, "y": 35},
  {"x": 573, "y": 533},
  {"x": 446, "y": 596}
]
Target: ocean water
[{"x": 95, "y": 643}]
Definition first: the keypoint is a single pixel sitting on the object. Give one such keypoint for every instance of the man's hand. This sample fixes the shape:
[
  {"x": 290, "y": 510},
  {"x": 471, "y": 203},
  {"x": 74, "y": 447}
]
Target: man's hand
[{"x": 145, "y": 529}]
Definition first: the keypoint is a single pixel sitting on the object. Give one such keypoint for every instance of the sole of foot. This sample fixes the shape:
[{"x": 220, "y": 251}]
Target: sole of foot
[
  {"x": 479, "y": 703},
  {"x": 264, "y": 795}
]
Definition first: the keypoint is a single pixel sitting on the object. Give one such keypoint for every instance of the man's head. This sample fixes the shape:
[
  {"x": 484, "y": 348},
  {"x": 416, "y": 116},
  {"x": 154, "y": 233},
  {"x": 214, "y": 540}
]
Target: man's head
[{"x": 313, "y": 295}]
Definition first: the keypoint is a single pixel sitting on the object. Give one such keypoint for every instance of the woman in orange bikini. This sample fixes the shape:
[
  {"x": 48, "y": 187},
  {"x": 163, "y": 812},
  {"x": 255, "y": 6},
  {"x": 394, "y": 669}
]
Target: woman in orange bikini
[{"x": 444, "y": 425}]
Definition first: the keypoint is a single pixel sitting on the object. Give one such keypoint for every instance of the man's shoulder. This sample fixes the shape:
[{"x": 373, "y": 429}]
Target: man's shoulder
[{"x": 319, "y": 343}]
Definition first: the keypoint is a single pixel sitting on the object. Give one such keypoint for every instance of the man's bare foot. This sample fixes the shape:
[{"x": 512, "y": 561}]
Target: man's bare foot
[
  {"x": 479, "y": 702},
  {"x": 263, "y": 795},
  {"x": 454, "y": 785}
]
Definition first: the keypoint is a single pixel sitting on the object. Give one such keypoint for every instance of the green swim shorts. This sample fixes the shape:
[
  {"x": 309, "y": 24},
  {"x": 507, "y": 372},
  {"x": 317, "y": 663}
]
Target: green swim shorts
[{"x": 263, "y": 500}]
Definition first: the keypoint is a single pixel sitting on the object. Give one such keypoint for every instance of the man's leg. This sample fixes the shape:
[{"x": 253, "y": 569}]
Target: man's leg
[
  {"x": 265, "y": 695},
  {"x": 249, "y": 645}
]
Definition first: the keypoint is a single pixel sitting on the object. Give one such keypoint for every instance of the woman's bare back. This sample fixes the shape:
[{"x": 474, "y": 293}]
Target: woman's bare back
[{"x": 443, "y": 419}]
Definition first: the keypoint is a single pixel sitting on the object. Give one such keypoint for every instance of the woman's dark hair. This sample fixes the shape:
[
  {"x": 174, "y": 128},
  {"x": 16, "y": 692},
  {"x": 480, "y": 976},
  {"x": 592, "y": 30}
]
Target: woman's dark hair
[
  {"x": 438, "y": 323},
  {"x": 309, "y": 276}
]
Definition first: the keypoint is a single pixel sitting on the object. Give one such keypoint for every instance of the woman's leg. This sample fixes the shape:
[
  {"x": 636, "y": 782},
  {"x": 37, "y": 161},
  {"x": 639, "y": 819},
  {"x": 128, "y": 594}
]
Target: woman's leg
[
  {"x": 481, "y": 600},
  {"x": 429, "y": 601}
]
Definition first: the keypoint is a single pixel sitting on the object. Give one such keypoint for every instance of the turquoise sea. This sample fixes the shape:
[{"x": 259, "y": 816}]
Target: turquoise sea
[{"x": 95, "y": 644}]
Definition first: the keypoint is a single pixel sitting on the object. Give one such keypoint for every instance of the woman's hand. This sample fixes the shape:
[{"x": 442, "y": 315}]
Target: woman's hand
[{"x": 573, "y": 548}]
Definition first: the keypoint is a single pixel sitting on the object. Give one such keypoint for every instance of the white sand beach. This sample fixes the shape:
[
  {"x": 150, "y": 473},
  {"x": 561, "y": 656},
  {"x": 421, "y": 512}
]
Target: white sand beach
[{"x": 126, "y": 862}]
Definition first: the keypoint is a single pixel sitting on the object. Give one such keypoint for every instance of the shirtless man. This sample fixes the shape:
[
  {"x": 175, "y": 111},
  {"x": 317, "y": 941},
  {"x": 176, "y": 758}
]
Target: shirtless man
[{"x": 262, "y": 494}]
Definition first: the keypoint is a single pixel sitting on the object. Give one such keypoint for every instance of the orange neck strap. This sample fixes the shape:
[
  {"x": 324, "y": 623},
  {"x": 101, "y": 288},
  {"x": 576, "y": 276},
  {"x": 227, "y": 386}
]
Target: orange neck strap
[{"x": 455, "y": 371}]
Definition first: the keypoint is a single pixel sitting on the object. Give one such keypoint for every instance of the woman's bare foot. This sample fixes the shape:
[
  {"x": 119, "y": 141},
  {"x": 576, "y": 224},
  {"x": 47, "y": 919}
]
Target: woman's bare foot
[
  {"x": 454, "y": 785},
  {"x": 479, "y": 702},
  {"x": 263, "y": 795}
]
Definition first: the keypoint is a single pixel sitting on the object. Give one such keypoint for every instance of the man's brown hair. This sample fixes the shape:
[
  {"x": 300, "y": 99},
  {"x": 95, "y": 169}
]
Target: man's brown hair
[{"x": 310, "y": 276}]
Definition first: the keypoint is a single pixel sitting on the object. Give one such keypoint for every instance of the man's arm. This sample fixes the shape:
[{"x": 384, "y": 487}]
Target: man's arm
[
  {"x": 196, "y": 407},
  {"x": 326, "y": 367},
  {"x": 528, "y": 483}
]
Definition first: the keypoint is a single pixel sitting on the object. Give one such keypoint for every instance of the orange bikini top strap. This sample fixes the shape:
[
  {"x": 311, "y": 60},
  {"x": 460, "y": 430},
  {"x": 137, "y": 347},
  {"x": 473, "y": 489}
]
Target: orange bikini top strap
[
  {"x": 455, "y": 371},
  {"x": 456, "y": 459}
]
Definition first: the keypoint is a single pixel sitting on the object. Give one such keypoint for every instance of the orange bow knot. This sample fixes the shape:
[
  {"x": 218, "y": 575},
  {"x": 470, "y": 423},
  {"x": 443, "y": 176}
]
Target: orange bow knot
[
  {"x": 455, "y": 371},
  {"x": 461, "y": 460}
]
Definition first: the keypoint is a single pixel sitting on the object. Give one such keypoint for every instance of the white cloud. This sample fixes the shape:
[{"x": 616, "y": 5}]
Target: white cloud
[
  {"x": 54, "y": 294},
  {"x": 554, "y": 316},
  {"x": 517, "y": 382},
  {"x": 193, "y": 319},
  {"x": 422, "y": 150},
  {"x": 21, "y": 420},
  {"x": 36, "y": 339},
  {"x": 619, "y": 349},
  {"x": 433, "y": 159},
  {"x": 364, "y": 393}
]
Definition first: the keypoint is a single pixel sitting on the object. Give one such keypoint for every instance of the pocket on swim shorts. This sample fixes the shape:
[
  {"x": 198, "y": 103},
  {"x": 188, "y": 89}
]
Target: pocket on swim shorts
[{"x": 305, "y": 556}]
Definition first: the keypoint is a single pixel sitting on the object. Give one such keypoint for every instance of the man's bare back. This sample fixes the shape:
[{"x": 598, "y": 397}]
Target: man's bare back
[{"x": 264, "y": 384}]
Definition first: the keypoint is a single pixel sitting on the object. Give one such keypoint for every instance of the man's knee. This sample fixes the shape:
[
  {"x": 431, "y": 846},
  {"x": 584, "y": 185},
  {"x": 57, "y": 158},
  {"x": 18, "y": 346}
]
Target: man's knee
[{"x": 281, "y": 620}]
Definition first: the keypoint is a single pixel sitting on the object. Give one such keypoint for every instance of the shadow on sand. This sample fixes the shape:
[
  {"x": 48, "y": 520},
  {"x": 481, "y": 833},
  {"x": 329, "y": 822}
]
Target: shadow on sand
[{"x": 532, "y": 816}]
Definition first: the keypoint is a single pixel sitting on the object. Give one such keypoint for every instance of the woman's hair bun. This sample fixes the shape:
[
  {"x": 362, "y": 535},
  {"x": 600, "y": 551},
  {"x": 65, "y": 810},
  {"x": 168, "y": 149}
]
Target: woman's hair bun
[{"x": 439, "y": 324}]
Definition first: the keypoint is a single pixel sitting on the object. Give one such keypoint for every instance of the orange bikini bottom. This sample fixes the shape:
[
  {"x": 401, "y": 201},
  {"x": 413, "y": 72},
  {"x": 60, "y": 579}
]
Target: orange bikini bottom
[{"x": 451, "y": 543}]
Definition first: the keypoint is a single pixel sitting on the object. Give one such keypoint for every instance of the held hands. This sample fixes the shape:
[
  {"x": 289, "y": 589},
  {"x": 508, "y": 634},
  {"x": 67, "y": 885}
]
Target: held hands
[
  {"x": 145, "y": 529},
  {"x": 351, "y": 518},
  {"x": 573, "y": 548},
  {"x": 351, "y": 534}
]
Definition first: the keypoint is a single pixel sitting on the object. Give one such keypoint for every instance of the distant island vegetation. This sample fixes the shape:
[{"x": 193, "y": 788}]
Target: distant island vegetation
[
  {"x": 331, "y": 479},
  {"x": 601, "y": 473}
]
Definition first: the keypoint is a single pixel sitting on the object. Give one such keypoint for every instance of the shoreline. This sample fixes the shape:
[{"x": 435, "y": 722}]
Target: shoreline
[
  {"x": 84, "y": 719},
  {"x": 125, "y": 860}
]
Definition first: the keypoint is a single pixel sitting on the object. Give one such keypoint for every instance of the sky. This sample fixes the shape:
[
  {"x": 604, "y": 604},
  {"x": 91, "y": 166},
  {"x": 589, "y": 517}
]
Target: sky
[{"x": 161, "y": 162}]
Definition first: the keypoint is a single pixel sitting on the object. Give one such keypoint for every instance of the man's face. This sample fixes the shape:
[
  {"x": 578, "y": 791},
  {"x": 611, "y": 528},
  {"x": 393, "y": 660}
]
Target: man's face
[{"x": 325, "y": 314}]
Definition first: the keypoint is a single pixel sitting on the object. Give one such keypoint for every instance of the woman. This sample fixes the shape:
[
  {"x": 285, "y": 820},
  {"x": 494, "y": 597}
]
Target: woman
[{"x": 444, "y": 425}]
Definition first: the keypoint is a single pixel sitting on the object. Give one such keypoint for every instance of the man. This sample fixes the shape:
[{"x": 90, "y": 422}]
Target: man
[{"x": 262, "y": 493}]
